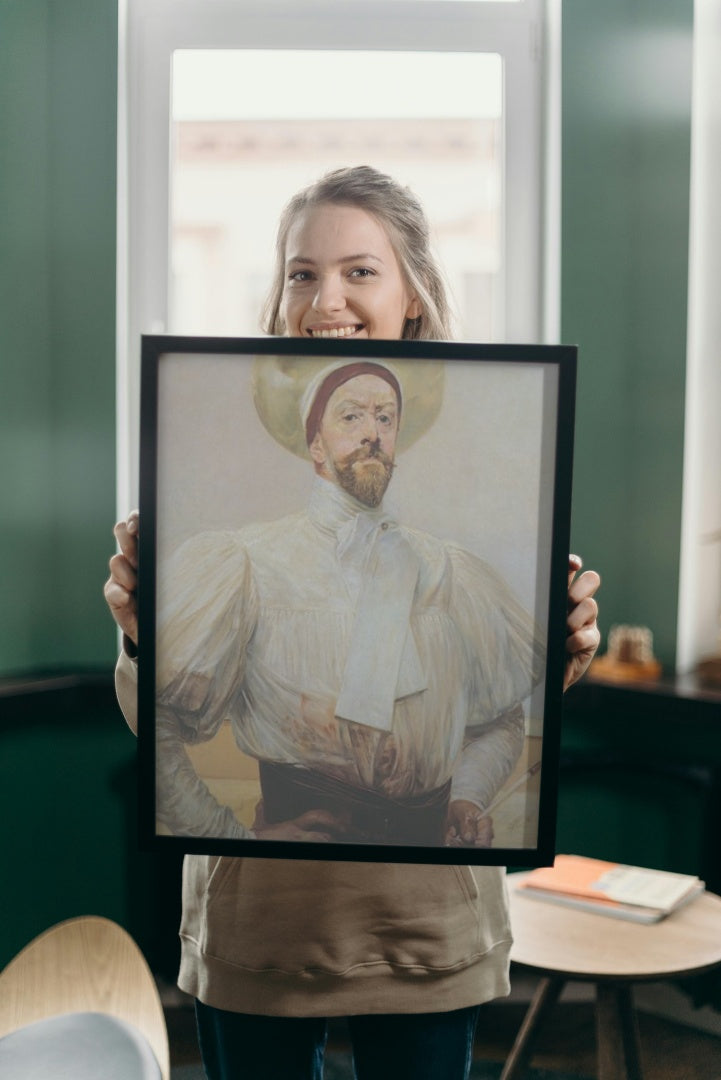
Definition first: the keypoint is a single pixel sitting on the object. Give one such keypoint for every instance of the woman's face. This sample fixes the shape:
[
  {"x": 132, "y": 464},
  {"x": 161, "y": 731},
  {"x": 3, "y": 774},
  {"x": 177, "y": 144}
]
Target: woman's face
[{"x": 342, "y": 277}]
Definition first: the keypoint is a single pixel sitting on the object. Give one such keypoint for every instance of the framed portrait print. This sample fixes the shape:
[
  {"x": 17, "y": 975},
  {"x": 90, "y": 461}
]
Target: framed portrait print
[{"x": 353, "y": 571}]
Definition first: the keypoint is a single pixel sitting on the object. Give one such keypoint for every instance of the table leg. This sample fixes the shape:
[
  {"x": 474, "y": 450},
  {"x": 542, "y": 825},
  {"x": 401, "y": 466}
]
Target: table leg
[
  {"x": 545, "y": 997},
  {"x": 617, "y": 1033}
]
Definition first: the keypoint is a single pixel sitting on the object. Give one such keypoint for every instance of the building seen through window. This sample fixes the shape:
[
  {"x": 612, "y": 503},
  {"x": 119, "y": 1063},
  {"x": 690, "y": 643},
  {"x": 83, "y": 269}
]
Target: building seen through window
[{"x": 231, "y": 175}]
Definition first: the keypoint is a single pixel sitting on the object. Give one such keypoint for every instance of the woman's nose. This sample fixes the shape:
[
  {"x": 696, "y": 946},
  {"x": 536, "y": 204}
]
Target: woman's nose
[{"x": 329, "y": 295}]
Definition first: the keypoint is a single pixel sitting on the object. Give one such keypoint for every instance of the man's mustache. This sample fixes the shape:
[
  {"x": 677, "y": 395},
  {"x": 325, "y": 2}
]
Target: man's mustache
[{"x": 368, "y": 452}]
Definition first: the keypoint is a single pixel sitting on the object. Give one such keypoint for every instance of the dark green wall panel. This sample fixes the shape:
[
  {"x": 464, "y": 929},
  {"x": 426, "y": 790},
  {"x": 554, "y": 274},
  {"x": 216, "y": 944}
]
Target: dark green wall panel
[
  {"x": 626, "y": 145},
  {"x": 82, "y": 205},
  {"x": 641, "y": 777},
  {"x": 68, "y": 797},
  {"x": 26, "y": 393},
  {"x": 58, "y": 80},
  {"x": 62, "y": 789}
]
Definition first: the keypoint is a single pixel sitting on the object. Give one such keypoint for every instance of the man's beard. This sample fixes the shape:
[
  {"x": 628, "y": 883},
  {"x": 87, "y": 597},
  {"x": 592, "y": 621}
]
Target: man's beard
[{"x": 365, "y": 482}]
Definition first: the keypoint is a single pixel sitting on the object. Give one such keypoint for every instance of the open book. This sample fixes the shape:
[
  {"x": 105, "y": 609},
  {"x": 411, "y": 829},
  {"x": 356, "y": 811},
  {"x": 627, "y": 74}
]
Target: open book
[{"x": 608, "y": 888}]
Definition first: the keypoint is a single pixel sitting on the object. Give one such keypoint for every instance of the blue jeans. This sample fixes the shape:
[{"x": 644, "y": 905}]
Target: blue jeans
[{"x": 414, "y": 1046}]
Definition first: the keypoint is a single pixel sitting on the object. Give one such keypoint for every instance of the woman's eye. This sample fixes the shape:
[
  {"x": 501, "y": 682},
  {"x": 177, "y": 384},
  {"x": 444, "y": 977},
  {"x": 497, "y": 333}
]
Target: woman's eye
[
  {"x": 350, "y": 417},
  {"x": 362, "y": 272},
  {"x": 300, "y": 276}
]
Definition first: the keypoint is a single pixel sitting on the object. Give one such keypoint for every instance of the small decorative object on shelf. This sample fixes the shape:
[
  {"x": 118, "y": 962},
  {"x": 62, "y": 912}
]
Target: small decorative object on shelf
[
  {"x": 709, "y": 670},
  {"x": 629, "y": 657}
]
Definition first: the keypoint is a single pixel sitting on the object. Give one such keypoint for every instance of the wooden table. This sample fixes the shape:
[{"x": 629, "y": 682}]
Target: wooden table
[{"x": 563, "y": 944}]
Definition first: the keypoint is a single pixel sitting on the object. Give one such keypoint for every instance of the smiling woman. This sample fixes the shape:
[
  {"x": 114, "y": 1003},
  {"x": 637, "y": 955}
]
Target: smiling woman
[
  {"x": 353, "y": 259},
  {"x": 319, "y": 110},
  {"x": 354, "y": 288}
]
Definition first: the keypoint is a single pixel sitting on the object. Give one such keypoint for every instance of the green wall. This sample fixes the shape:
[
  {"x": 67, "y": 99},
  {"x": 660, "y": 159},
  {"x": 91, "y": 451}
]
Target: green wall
[
  {"x": 625, "y": 200},
  {"x": 626, "y": 137},
  {"x": 58, "y": 71},
  {"x": 68, "y": 773},
  {"x": 66, "y": 759}
]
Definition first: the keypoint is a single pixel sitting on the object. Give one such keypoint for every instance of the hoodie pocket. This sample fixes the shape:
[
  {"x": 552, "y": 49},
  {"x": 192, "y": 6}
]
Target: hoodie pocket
[{"x": 297, "y": 916}]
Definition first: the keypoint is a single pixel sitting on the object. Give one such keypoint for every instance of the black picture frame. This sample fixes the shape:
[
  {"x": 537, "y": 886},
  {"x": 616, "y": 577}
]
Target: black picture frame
[{"x": 486, "y": 483}]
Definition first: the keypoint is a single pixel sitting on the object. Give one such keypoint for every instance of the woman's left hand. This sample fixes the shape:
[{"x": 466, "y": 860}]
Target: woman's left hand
[{"x": 582, "y": 634}]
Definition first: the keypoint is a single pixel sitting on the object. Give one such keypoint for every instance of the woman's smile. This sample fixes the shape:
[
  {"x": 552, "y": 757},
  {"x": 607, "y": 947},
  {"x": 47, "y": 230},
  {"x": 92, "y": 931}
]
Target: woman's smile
[
  {"x": 335, "y": 331},
  {"x": 342, "y": 277}
]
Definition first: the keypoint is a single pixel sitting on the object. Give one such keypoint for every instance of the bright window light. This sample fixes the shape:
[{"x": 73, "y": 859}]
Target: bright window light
[
  {"x": 222, "y": 84},
  {"x": 434, "y": 121}
]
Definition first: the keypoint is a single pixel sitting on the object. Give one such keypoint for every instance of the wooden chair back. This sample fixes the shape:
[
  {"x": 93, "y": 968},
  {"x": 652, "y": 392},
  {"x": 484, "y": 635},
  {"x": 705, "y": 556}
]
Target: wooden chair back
[{"x": 87, "y": 964}]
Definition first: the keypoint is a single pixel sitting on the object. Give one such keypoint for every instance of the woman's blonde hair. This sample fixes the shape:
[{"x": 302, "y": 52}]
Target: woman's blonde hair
[{"x": 403, "y": 217}]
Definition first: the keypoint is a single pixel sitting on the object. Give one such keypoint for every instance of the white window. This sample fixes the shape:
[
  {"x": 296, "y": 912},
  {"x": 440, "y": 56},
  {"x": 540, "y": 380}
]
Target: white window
[
  {"x": 699, "y": 622},
  {"x": 236, "y": 159},
  {"x": 227, "y": 107}
]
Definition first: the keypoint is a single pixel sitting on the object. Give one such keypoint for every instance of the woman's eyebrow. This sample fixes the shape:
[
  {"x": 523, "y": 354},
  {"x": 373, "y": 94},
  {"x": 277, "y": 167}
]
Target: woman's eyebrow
[{"x": 361, "y": 257}]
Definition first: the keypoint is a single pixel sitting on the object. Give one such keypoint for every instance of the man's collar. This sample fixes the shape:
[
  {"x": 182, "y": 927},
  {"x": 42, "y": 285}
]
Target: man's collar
[{"x": 331, "y": 507}]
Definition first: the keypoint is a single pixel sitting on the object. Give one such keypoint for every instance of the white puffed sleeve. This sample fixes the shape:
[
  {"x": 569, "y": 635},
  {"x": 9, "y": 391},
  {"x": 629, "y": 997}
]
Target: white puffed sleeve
[
  {"x": 126, "y": 689},
  {"x": 506, "y": 649},
  {"x": 506, "y": 657},
  {"x": 187, "y": 806},
  {"x": 207, "y": 609}
]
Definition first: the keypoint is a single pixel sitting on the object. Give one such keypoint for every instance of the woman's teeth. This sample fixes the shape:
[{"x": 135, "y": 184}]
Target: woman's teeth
[{"x": 337, "y": 331}]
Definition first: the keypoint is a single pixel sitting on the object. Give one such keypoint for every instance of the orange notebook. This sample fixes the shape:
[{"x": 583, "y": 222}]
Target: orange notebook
[{"x": 632, "y": 892}]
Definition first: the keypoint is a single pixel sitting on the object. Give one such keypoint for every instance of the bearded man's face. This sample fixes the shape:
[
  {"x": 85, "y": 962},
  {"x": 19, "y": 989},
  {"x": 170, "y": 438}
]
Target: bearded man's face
[
  {"x": 365, "y": 474},
  {"x": 355, "y": 445}
]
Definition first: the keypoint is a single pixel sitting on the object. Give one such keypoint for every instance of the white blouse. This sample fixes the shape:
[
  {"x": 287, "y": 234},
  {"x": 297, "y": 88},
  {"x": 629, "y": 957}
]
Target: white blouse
[{"x": 254, "y": 626}]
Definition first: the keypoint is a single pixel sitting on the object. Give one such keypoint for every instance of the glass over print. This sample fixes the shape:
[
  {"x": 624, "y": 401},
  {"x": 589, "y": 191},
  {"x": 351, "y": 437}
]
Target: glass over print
[{"x": 352, "y": 597}]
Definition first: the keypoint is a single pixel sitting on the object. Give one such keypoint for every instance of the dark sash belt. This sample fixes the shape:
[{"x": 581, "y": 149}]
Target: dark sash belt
[{"x": 369, "y": 818}]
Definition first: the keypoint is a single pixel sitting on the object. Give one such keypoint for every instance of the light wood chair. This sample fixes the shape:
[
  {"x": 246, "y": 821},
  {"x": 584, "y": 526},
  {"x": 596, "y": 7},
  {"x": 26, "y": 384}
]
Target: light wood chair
[{"x": 84, "y": 965}]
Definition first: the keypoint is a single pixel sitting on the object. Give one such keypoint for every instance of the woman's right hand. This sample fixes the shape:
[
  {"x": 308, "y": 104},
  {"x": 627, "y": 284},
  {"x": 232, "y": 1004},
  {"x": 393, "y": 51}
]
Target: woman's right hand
[{"x": 121, "y": 587}]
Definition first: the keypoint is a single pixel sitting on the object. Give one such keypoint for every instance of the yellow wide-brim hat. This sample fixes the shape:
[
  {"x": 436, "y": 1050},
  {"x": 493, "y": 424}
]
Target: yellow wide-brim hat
[{"x": 284, "y": 388}]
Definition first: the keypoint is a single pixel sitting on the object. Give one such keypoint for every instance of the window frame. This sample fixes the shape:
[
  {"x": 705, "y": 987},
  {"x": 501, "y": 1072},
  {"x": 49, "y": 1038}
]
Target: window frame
[{"x": 526, "y": 34}]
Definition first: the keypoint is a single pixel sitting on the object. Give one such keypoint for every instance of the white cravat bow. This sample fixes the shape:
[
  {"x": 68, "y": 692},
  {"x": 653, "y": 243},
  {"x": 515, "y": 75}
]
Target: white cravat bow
[{"x": 383, "y": 663}]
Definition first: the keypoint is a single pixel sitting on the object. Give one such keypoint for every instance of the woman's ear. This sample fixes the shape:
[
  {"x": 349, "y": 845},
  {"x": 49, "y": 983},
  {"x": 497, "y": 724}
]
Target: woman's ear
[{"x": 415, "y": 309}]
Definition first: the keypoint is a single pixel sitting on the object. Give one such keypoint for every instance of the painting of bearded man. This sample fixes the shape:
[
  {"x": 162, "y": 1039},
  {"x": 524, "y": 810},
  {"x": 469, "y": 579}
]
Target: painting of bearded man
[{"x": 336, "y": 664}]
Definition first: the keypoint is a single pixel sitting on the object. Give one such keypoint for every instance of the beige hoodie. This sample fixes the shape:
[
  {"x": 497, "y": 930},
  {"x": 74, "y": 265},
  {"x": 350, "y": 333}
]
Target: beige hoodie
[{"x": 286, "y": 937}]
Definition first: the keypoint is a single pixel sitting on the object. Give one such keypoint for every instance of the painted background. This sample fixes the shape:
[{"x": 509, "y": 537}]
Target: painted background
[{"x": 482, "y": 475}]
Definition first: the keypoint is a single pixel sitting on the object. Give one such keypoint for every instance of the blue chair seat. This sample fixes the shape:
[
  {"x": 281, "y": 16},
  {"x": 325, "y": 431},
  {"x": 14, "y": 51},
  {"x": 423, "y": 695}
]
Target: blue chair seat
[{"x": 78, "y": 1046}]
